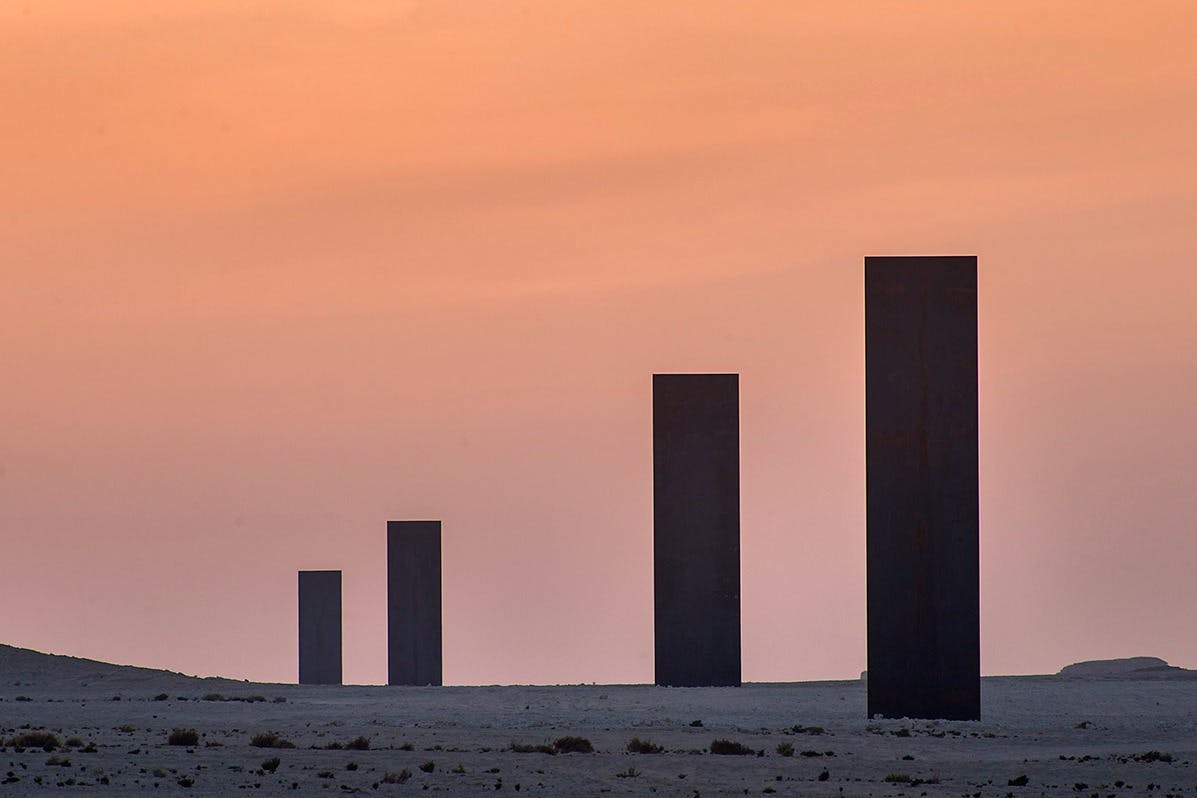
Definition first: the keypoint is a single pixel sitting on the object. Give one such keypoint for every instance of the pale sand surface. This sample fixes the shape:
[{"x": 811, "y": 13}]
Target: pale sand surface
[{"x": 1029, "y": 724}]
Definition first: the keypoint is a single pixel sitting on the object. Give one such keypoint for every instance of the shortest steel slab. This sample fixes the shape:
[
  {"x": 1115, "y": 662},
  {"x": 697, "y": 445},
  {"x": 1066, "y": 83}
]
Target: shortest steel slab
[{"x": 319, "y": 627}]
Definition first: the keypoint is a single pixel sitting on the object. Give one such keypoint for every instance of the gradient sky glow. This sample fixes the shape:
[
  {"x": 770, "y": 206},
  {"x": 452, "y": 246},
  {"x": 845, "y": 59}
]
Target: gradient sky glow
[{"x": 272, "y": 273}]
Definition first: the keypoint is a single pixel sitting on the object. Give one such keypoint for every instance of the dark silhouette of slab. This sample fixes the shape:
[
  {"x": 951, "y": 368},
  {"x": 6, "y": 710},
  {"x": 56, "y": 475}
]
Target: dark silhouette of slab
[
  {"x": 696, "y": 529},
  {"x": 319, "y": 627},
  {"x": 924, "y": 643},
  {"x": 414, "y": 602}
]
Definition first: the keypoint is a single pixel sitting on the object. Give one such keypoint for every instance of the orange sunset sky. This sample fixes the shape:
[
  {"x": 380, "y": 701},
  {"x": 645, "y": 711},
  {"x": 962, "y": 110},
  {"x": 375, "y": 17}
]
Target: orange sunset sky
[{"x": 272, "y": 273}]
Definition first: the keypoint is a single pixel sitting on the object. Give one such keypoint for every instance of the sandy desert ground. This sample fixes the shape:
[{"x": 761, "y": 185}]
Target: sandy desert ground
[{"x": 1041, "y": 735}]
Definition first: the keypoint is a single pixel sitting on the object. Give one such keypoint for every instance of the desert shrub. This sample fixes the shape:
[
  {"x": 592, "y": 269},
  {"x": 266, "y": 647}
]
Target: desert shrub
[
  {"x": 428, "y": 767},
  {"x": 696, "y": 724},
  {"x": 1018, "y": 781},
  {"x": 335, "y": 745},
  {"x": 824, "y": 775},
  {"x": 533, "y": 748},
  {"x": 161, "y": 697},
  {"x": 59, "y": 761},
  {"x": 630, "y": 773},
  {"x": 186, "y": 781},
  {"x": 1152, "y": 756},
  {"x": 351, "y": 766},
  {"x": 248, "y": 699},
  {"x": 728, "y": 747},
  {"x": 23, "y": 698},
  {"x": 326, "y": 774},
  {"x": 74, "y": 742},
  {"x": 638, "y": 746},
  {"x": 270, "y": 740},
  {"x": 270, "y": 765},
  {"x": 785, "y": 749},
  {"x": 126, "y": 728},
  {"x": 183, "y": 737},
  {"x": 799, "y": 729},
  {"x": 903, "y": 778},
  {"x": 407, "y": 747},
  {"x": 396, "y": 778},
  {"x": 358, "y": 744},
  {"x": 35, "y": 739},
  {"x": 573, "y": 745}
]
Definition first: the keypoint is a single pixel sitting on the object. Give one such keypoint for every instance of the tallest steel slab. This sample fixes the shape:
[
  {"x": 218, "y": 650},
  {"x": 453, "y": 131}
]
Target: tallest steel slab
[
  {"x": 922, "y": 490},
  {"x": 696, "y": 529}
]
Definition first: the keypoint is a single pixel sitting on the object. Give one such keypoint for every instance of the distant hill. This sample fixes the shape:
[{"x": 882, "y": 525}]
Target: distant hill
[{"x": 1125, "y": 668}]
